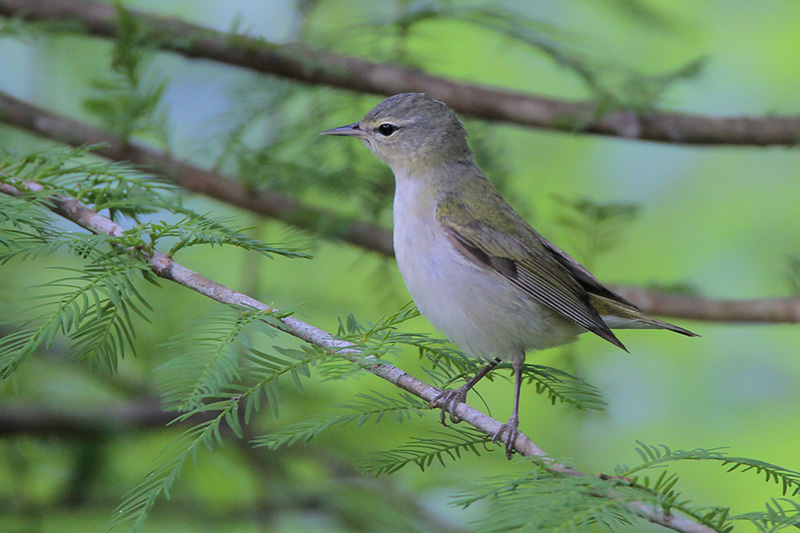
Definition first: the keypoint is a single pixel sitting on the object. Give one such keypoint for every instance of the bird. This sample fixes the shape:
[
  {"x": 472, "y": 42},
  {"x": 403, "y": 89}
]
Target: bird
[{"x": 473, "y": 266}]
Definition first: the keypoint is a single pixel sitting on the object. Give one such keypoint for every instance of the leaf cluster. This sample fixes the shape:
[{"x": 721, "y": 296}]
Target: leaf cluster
[
  {"x": 220, "y": 377},
  {"x": 597, "y": 226},
  {"x": 543, "y": 500},
  {"x": 612, "y": 84},
  {"x": 368, "y": 407},
  {"x": 129, "y": 100},
  {"x": 218, "y": 381},
  {"x": 117, "y": 188},
  {"x": 94, "y": 305}
]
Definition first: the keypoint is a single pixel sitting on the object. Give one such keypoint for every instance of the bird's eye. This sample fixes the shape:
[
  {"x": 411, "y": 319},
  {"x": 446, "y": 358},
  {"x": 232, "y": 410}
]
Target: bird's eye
[{"x": 387, "y": 129}]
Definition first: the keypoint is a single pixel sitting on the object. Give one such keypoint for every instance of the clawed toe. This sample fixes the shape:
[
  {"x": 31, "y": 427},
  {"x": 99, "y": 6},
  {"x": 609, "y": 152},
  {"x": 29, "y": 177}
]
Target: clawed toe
[
  {"x": 507, "y": 434},
  {"x": 447, "y": 401}
]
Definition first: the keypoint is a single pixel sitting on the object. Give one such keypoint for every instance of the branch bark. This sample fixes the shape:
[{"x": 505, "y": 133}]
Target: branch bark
[
  {"x": 165, "y": 267},
  {"x": 318, "y": 67},
  {"x": 764, "y": 310},
  {"x": 328, "y": 224},
  {"x": 43, "y": 420},
  {"x": 275, "y": 205}
]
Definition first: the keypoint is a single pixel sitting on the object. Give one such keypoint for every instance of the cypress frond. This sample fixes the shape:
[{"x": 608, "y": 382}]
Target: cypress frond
[
  {"x": 93, "y": 308},
  {"x": 656, "y": 456},
  {"x": 194, "y": 229},
  {"x": 136, "y": 506},
  {"x": 544, "y": 501},
  {"x": 207, "y": 361},
  {"x": 424, "y": 451},
  {"x": 266, "y": 369},
  {"x": 779, "y": 514},
  {"x": 370, "y": 407}
]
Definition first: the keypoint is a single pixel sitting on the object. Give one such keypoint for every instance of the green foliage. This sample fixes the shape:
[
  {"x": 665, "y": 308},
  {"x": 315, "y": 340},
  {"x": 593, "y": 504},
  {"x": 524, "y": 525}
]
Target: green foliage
[
  {"x": 598, "y": 226},
  {"x": 655, "y": 456},
  {"x": 779, "y": 514},
  {"x": 794, "y": 274},
  {"x": 645, "y": 14},
  {"x": 230, "y": 392},
  {"x": 17, "y": 28},
  {"x": 206, "y": 357},
  {"x": 369, "y": 407},
  {"x": 128, "y": 100},
  {"x": 194, "y": 229},
  {"x": 543, "y": 501},
  {"x": 558, "y": 385},
  {"x": 424, "y": 451},
  {"x": 290, "y": 158},
  {"x": 93, "y": 306},
  {"x": 114, "y": 187},
  {"x": 562, "y": 387},
  {"x": 219, "y": 376},
  {"x": 775, "y": 517},
  {"x": 612, "y": 84}
]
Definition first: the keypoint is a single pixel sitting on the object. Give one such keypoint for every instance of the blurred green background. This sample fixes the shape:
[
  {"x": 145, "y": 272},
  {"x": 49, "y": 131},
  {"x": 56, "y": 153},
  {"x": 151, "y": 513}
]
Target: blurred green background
[{"x": 723, "y": 220}]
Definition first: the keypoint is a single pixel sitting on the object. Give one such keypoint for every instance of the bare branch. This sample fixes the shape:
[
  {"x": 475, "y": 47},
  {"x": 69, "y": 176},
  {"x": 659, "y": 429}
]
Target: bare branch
[
  {"x": 42, "y": 420},
  {"x": 774, "y": 310},
  {"x": 331, "y": 225},
  {"x": 195, "y": 179},
  {"x": 323, "y": 68},
  {"x": 165, "y": 267}
]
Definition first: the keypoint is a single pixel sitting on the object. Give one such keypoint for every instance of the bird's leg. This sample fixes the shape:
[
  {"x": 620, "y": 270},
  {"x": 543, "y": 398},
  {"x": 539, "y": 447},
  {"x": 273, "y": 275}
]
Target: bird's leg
[
  {"x": 448, "y": 399},
  {"x": 508, "y": 432}
]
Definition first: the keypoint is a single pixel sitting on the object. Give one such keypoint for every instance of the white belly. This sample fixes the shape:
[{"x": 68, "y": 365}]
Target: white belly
[{"x": 478, "y": 309}]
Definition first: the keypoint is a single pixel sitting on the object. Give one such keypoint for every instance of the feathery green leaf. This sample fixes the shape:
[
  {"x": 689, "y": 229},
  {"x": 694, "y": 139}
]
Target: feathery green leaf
[
  {"x": 424, "y": 451},
  {"x": 369, "y": 407}
]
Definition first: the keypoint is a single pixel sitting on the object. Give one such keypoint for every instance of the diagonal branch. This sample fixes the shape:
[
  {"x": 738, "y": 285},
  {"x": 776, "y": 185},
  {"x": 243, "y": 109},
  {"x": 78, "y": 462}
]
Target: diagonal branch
[
  {"x": 275, "y": 205},
  {"x": 318, "y": 67},
  {"x": 167, "y": 268},
  {"x": 328, "y": 224}
]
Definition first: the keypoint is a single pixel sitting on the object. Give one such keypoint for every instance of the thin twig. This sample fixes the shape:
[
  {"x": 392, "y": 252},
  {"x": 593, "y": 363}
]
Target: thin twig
[
  {"x": 323, "y": 68},
  {"x": 363, "y": 234},
  {"x": 165, "y": 267},
  {"x": 268, "y": 203}
]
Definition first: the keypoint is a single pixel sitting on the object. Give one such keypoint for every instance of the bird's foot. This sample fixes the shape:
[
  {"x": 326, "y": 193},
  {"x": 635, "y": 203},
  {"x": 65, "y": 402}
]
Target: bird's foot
[
  {"x": 507, "y": 434},
  {"x": 448, "y": 400}
]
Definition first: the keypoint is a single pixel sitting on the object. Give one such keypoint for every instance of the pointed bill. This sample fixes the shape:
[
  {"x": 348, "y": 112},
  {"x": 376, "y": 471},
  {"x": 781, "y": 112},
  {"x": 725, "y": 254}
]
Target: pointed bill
[{"x": 351, "y": 130}]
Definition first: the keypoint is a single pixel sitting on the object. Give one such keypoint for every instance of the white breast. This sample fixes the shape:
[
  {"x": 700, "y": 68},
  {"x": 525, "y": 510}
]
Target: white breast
[{"x": 486, "y": 315}]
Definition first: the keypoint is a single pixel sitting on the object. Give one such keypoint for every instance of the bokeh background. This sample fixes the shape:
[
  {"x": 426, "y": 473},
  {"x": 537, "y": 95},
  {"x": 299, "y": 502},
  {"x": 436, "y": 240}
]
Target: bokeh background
[{"x": 721, "y": 221}]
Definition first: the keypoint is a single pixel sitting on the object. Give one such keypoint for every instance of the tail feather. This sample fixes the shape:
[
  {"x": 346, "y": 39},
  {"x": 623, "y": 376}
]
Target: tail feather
[
  {"x": 620, "y": 316},
  {"x": 653, "y": 323}
]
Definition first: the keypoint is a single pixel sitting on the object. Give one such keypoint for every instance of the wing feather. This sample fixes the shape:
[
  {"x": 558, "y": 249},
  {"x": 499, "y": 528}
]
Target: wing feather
[{"x": 518, "y": 253}]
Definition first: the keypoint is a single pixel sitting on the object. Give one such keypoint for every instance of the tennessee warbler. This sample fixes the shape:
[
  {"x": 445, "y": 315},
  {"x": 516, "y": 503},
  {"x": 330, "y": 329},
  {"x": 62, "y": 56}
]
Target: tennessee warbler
[{"x": 473, "y": 266}]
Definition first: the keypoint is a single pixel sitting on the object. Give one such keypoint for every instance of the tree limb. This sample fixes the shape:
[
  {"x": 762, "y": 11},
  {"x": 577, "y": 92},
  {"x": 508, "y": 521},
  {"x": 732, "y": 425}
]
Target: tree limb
[
  {"x": 275, "y": 205},
  {"x": 323, "y": 68},
  {"x": 164, "y": 266},
  {"x": 765, "y": 310},
  {"x": 43, "y": 420},
  {"x": 328, "y": 224}
]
